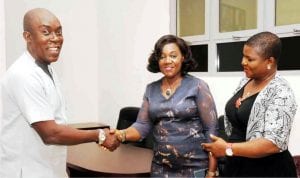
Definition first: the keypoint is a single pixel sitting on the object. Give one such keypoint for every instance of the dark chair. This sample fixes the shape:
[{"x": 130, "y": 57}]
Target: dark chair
[
  {"x": 127, "y": 117},
  {"x": 222, "y": 134}
]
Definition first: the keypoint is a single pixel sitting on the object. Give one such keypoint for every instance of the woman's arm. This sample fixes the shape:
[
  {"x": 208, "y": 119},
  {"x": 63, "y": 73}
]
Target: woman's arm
[
  {"x": 129, "y": 134},
  {"x": 208, "y": 114},
  {"x": 207, "y": 109},
  {"x": 212, "y": 167},
  {"x": 257, "y": 148}
]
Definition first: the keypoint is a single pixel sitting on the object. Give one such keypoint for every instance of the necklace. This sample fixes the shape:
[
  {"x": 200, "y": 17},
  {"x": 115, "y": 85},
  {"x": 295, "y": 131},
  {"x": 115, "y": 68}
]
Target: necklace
[
  {"x": 256, "y": 89},
  {"x": 168, "y": 91},
  {"x": 171, "y": 88},
  {"x": 239, "y": 101}
]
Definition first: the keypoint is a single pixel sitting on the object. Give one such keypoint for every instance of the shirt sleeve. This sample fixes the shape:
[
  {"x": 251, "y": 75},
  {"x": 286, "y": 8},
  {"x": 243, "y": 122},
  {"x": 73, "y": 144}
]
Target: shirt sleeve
[
  {"x": 207, "y": 109},
  {"x": 143, "y": 123},
  {"x": 30, "y": 96}
]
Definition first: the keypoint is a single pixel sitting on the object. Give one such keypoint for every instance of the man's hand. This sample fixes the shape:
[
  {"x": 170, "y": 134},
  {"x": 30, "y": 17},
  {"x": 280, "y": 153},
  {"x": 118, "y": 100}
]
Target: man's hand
[{"x": 111, "y": 142}]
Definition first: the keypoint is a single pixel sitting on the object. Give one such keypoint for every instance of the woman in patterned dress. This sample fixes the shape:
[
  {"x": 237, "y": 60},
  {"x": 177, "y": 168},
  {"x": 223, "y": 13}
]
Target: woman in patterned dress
[
  {"x": 259, "y": 116},
  {"x": 179, "y": 111}
]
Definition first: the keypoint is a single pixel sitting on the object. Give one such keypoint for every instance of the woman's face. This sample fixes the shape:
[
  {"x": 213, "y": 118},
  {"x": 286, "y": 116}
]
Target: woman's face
[
  {"x": 170, "y": 61},
  {"x": 255, "y": 66}
]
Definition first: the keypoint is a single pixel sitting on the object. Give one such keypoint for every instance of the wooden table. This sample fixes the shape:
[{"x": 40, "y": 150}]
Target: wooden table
[{"x": 88, "y": 160}]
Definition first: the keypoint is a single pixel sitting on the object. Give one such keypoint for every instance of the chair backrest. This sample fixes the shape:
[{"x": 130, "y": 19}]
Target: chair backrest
[
  {"x": 222, "y": 132},
  {"x": 297, "y": 164},
  {"x": 127, "y": 117}
]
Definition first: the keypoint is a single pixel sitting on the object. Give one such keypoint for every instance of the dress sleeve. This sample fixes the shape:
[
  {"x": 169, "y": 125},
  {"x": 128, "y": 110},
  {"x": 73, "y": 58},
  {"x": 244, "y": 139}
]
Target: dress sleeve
[
  {"x": 207, "y": 109},
  {"x": 279, "y": 116},
  {"x": 143, "y": 123}
]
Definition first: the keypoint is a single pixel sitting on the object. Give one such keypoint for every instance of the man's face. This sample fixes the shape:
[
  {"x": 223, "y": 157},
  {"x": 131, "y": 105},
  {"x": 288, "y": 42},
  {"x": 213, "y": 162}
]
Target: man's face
[{"x": 46, "y": 39}]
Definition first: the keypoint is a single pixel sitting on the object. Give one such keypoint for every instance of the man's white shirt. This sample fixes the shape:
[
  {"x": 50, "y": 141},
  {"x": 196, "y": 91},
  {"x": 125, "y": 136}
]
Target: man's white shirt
[{"x": 29, "y": 95}]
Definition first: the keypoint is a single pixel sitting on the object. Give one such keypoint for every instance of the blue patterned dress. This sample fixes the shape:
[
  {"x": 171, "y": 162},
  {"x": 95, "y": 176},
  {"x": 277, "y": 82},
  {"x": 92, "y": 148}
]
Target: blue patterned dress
[{"x": 179, "y": 125}]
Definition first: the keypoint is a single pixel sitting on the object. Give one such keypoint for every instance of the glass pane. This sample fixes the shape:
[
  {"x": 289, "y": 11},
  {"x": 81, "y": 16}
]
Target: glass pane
[
  {"x": 290, "y": 49},
  {"x": 287, "y": 12},
  {"x": 200, "y": 54},
  {"x": 230, "y": 56},
  {"x": 236, "y": 15},
  {"x": 190, "y": 17}
]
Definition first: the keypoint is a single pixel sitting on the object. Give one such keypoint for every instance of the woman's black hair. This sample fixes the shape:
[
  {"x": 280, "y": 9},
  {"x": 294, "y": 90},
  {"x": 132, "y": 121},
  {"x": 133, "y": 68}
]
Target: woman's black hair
[
  {"x": 188, "y": 63},
  {"x": 267, "y": 44}
]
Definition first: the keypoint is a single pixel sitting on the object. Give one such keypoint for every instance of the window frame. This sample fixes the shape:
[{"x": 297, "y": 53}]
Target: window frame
[
  {"x": 290, "y": 30},
  {"x": 235, "y": 35},
  {"x": 212, "y": 37},
  {"x": 194, "y": 38}
]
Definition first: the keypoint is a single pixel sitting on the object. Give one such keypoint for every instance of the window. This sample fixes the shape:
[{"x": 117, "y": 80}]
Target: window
[
  {"x": 237, "y": 20},
  {"x": 287, "y": 13},
  {"x": 216, "y": 36},
  {"x": 192, "y": 26},
  {"x": 290, "y": 50},
  {"x": 191, "y": 17},
  {"x": 237, "y": 15},
  {"x": 230, "y": 56},
  {"x": 201, "y": 57},
  {"x": 227, "y": 24}
]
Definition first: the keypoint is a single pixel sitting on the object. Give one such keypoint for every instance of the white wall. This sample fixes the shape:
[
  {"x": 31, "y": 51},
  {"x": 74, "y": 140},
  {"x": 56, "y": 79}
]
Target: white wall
[
  {"x": 294, "y": 145},
  {"x": 2, "y": 37},
  {"x": 2, "y": 45},
  {"x": 78, "y": 65},
  {"x": 103, "y": 61},
  {"x": 128, "y": 31}
]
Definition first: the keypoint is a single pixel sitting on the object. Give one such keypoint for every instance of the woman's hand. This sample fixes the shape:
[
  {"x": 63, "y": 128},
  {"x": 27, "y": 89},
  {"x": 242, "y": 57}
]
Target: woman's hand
[
  {"x": 212, "y": 167},
  {"x": 217, "y": 147},
  {"x": 120, "y": 134}
]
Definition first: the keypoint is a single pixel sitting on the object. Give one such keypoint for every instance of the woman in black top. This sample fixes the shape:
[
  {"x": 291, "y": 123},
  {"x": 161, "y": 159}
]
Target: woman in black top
[{"x": 258, "y": 118}]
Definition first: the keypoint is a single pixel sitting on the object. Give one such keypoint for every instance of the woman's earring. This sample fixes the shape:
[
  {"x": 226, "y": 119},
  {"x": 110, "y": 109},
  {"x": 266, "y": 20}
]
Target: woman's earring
[{"x": 268, "y": 67}]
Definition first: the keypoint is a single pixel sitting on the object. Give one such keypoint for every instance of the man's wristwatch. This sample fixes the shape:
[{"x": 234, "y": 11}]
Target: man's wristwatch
[
  {"x": 101, "y": 136},
  {"x": 228, "y": 151}
]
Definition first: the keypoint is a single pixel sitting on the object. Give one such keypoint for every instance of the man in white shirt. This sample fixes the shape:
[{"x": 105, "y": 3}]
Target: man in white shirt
[{"x": 33, "y": 131}]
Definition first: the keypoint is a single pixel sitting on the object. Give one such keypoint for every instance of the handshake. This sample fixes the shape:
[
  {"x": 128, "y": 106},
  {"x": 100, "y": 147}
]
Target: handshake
[{"x": 110, "y": 139}]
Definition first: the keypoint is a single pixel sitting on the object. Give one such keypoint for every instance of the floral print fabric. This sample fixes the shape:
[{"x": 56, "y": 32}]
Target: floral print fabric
[
  {"x": 179, "y": 125},
  {"x": 272, "y": 113}
]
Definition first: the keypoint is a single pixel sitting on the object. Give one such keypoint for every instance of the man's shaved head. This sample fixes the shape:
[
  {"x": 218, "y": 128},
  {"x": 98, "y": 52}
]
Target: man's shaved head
[{"x": 34, "y": 15}]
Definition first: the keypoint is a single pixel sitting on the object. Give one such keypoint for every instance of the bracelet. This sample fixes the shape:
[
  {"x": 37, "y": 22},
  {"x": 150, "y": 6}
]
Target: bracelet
[
  {"x": 123, "y": 135},
  {"x": 212, "y": 173}
]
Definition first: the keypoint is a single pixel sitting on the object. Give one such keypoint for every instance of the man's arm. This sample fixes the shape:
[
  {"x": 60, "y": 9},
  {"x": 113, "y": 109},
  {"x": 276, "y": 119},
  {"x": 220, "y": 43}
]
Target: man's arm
[{"x": 53, "y": 133}]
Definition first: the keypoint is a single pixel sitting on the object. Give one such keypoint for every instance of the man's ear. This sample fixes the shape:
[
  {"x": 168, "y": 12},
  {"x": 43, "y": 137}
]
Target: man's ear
[{"x": 27, "y": 36}]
